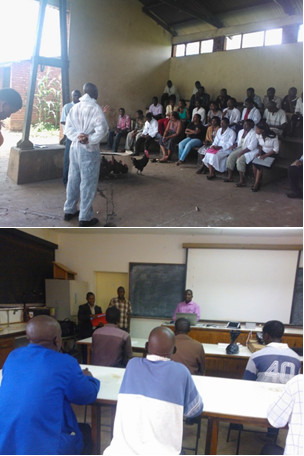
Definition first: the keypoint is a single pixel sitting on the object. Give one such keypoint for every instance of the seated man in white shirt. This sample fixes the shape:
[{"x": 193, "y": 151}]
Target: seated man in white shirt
[
  {"x": 156, "y": 109},
  {"x": 288, "y": 410},
  {"x": 149, "y": 134},
  {"x": 276, "y": 362},
  {"x": 199, "y": 110},
  {"x": 275, "y": 118}
]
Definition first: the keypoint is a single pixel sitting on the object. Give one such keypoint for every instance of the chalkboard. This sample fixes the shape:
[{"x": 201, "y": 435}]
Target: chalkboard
[
  {"x": 296, "y": 317},
  {"x": 156, "y": 289}
]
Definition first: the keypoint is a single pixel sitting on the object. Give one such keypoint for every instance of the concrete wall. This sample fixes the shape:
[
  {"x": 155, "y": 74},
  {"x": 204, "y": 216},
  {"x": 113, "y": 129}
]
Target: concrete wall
[
  {"x": 120, "y": 49},
  {"x": 274, "y": 66}
]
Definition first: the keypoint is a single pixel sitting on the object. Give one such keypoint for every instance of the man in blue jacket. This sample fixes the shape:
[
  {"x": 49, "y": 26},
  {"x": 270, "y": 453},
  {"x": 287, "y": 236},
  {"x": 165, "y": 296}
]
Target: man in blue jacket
[{"x": 37, "y": 388}]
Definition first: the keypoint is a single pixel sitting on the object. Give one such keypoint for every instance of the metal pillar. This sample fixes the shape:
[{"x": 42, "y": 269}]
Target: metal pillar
[{"x": 62, "y": 63}]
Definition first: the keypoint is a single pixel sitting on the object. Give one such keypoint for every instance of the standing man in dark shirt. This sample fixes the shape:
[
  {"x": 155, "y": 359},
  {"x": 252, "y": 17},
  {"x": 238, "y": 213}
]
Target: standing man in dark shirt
[{"x": 85, "y": 312}]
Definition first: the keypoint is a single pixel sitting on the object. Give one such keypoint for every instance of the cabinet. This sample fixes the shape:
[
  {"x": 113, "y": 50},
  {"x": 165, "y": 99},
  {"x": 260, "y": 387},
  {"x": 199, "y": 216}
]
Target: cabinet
[{"x": 66, "y": 296}]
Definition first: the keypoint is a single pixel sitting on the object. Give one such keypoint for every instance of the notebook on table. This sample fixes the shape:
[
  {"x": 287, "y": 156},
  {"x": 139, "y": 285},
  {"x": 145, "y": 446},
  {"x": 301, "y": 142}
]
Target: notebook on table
[
  {"x": 192, "y": 317},
  {"x": 266, "y": 162}
]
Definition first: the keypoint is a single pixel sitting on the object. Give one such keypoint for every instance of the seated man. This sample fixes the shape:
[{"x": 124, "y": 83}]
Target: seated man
[
  {"x": 133, "y": 135},
  {"x": 250, "y": 112},
  {"x": 38, "y": 385},
  {"x": 232, "y": 113},
  {"x": 271, "y": 96},
  {"x": 256, "y": 99},
  {"x": 154, "y": 395},
  {"x": 111, "y": 346},
  {"x": 290, "y": 100},
  {"x": 169, "y": 90},
  {"x": 187, "y": 306},
  {"x": 10, "y": 102},
  {"x": 150, "y": 132},
  {"x": 156, "y": 109},
  {"x": 275, "y": 118},
  {"x": 199, "y": 110},
  {"x": 122, "y": 129},
  {"x": 124, "y": 307},
  {"x": 276, "y": 363},
  {"x": 189, "y": 352},
  {"x": 288, "y": 410}
]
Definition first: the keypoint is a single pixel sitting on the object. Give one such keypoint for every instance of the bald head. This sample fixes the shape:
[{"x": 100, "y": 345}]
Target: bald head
[
  {"x": 161, "y": 342},
  {"x": 44, "y": 330}
]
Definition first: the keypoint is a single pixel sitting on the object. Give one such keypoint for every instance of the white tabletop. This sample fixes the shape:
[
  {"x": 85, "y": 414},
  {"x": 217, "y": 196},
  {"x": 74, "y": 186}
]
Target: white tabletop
[
  {"x": 12, "y": 329},
  {"x": 136, "y": 342},
  {"x": 221, "y": 396}
]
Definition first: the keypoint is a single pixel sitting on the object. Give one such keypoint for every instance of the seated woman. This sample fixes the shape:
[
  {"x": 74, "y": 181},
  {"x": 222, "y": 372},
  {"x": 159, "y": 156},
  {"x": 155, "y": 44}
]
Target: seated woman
[
  {"x": 214, "y": 111},
  {"x": 194, "y": 133},
  {"x": 183, "y": 111},
  {"x": 171, "y": 136},
  {"x": 210, "y": 135},
  {"x": 268, "y": 145},
  {"x": 215, "y": 158},
  {"x": 162, "y": 123},
  {"x": 243, "y": 152}
]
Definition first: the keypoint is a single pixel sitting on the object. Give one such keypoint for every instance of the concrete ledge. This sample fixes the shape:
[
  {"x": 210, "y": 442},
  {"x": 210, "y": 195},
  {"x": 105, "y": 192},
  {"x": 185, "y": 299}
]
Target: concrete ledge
[{"x": 34, "y": 165}]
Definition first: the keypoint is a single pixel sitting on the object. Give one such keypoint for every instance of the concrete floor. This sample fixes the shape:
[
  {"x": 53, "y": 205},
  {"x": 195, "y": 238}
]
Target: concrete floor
[{"x": 164, "y": 196}]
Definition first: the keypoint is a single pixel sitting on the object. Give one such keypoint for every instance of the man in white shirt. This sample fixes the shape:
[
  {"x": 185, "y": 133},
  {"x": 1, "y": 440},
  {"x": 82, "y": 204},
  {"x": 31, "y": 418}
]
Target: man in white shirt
[
  {"x": 76, "y": 94},
  {"x": 169, "y": 90},
  {"x": 288, "y": 410},
  {"x": 156, "y": 109},
  {"x": 86, "y": 126},
  {"x": 275, "y": 118},
  {"x": 250, "y": 112},
  {"x": 199, "y": 110},
  {"x": 150, "y": 132}
]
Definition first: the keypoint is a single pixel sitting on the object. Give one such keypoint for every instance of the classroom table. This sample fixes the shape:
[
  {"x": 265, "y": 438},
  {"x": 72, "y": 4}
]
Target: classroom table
[
  {"x": 235, "y": 401},
  {"x": 217, "y": 362}
]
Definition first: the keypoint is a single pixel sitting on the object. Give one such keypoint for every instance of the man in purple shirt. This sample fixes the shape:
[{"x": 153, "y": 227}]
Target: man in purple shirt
[
  {"x": 122, "y": 129},
  {"x": 187, "y": 306}
]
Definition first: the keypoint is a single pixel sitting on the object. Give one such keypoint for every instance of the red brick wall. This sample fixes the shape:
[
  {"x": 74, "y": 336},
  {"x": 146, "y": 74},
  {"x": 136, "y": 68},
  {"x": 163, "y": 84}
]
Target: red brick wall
[{"x": 20, "y": 77}]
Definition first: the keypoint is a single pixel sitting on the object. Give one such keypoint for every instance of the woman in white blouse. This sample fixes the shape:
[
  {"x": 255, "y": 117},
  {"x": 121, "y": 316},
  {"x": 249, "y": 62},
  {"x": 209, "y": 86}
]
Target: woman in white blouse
[
  {"x": 268, "y": 146},
  {"x": 215, "y": 158},
  {"x": 243, "y": 152}
]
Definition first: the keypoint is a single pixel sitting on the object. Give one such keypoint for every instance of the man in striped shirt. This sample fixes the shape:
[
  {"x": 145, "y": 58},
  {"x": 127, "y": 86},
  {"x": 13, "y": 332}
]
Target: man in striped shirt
[
  {"x": 154, "y": 396},
  {"x": 276, "y": 363}
]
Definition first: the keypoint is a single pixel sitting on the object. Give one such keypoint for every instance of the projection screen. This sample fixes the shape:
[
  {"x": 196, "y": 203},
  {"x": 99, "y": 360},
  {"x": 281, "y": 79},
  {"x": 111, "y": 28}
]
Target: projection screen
[{"x": 242, "y": 285}]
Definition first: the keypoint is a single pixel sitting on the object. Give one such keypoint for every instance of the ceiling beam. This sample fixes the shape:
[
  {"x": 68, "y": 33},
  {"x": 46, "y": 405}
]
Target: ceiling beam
[
  {"x": 287, "y": 6},
  {"x": 201, "y": 12},
  {"x": 159, "y": 21}
]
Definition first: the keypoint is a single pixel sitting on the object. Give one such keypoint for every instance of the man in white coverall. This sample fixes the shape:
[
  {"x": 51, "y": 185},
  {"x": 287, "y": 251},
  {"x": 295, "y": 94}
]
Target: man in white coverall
[{"x": 86, "y": 126}]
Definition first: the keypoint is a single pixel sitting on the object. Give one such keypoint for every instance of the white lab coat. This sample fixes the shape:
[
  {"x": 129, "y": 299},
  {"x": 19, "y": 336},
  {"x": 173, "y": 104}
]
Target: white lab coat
[
  {"x": 250, "y": 142},
  {"x": 225, "y": 140},
  {"x": 254, "y": 114}
]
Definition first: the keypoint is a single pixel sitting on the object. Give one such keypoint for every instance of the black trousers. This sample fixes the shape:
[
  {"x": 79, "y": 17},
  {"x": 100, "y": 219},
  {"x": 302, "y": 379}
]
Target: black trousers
[{"x": 295, "y": 176}]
